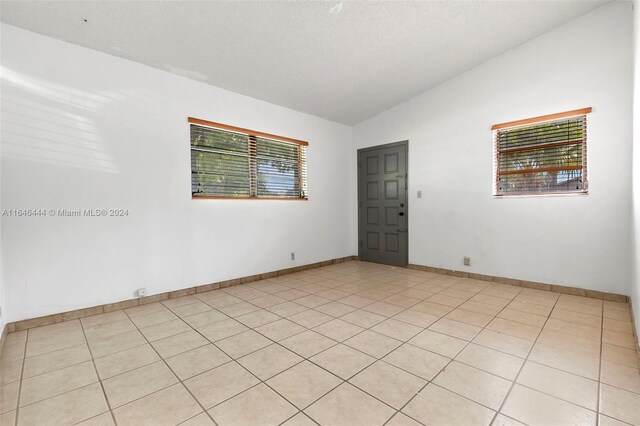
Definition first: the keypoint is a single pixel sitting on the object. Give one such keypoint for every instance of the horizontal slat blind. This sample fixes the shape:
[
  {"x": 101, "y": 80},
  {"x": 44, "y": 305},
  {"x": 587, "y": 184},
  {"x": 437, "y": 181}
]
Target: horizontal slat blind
[
  {"x": 229, "y": 164},
  {"x": 546, "y": 157}
]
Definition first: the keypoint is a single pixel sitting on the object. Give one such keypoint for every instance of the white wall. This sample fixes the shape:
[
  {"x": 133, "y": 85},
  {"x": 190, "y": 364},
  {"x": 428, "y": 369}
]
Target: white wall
[
  {"x": 581, "y": 241},
  {"x": 635, "y": 283},
  {"x": 83, "y": 129}
]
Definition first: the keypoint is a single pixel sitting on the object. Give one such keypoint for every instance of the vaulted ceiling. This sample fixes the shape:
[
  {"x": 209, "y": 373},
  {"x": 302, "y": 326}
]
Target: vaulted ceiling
[{"x": 344, "y": 61}]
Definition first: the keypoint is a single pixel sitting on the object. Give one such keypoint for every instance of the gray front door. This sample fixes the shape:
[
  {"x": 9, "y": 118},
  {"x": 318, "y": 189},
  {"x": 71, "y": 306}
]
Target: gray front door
[{"x": 382, "y": 204}]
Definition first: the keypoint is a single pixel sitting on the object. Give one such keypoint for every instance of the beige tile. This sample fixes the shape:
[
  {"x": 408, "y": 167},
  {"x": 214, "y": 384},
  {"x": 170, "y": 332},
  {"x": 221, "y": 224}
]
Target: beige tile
[
  {"x": 51, "y": 344},
  {"x": 416, "y": 318},
  {"x": 280, "y": 329},
  {"x": 417, "y": 361},
  {"x": 438, "y": 343},
  {"x": 397, "y": 329},
  {"x": 450, "y": 301},
  {"x": 299, "y": 419},
  {"x": 243, "y": 344},
  {"x": 145, "y": 309},
  {"x": 191, "y": 309},
  {"x": 437, "y": 406},
  {"x": 215, "y": 300},
  {"x": 9, "y": 418},
  {"x": 404, "y": 301},
  {"x": 608, "y": 421},
  {"x": 222, "y": 329},
  {"x": 338, "y": 330},
  {"x": 527, "y": 318},
  {"x": 221, "y": 383},
  {"x": 469, "y": 317},
  {"x": 455, "y": 329},
  {"x": 618, "y": 338},
  {"x": 362, "y": 318},
  {"x": 124, "y": 361},
  {"x": 503, "y": 342},
  {"x": 10, "y": 370},
  {"x": 490, "y": 360},
  {"x": 580, "y": 308},
  {"x": 513, "y": 328},
  {"x": 567, "y": 327},
  {"x": 137, "y": 383},
  {"x": 576, "y": 317},
  {"x": 304, "y": 383},
  {"x": 576, "y": 389},
  {"x": 535, "y": 408},
  {"x": 61, "y": 329},
  {"x": 202, "y": 419},
  {"x": 205, "y": 318},
  {"x": 620, "y": 404},
  {"x": 566, "y": 360},
  {"x": 335, "y": 309},
  {"x": 480, "y": 308},
  {"x": 9, "y": 397},
  {"x": 374, "y": 344},
  {"x": 165, "y": 329},
  {"x": 196, "y": 361},
  {"x": 347, "y": 405},
  {"x": 54, "y": 360},
  {"x": 312, "y": 301},
  {"x": 474, "y": 384},
  {"x": 584, "y": 345},
  {"x": 169, "y": 406},
  {"x": 117, "y": 343},
  {"x": 56, "y": 382},
  {"x": 67, "y": 408},
  {"x": 104, "y": 419},
  {"x": 384, "y": 309},
  {"x": 179, "y": 343},
  {"x": 267, "y": 362},
  {"x": 257, "y": 318},
  {"x": 287, "y": 309},
  {"x": 502, "y": 420},
  {"x": 258, "y": 405},
  {"x": 388, "y": 383},
  {"x": 620, "y": 355},
  {"x": 621, "y": 376},
  {"x": 308, "y": 343},
  {"x": 342, "y": 360},
  {"x": 431, "y": 307},
  {"x": 402, "y": 420},
  {"x": 491, "y": 300},
  {"x": 616, "y": 314},
  {"x": 142, "y": 321},
  {"x": 310, "y": 318},
  {"x": 110, "y": 329},
  {"x": 268, "y": 300},
  {"x": 617, "y": 325}
]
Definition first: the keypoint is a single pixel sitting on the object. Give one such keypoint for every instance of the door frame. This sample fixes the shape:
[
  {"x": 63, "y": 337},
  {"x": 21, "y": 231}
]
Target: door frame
[{"x": 362, "y": 151}]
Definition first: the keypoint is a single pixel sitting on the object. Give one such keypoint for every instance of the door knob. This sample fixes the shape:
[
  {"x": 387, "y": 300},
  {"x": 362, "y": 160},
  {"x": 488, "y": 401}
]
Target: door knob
[{"x": 401, "y": 214}]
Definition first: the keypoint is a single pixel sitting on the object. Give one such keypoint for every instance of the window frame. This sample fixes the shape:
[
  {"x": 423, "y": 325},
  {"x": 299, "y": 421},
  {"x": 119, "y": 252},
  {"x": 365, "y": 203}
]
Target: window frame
[
  {"x": 252, "y": 136},
  {"x": 550, "y": 118}
]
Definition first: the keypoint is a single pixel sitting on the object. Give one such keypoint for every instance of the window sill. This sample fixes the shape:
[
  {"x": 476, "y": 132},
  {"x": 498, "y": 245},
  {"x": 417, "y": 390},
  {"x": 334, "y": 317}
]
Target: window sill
[{"x": 559, "y": 194}]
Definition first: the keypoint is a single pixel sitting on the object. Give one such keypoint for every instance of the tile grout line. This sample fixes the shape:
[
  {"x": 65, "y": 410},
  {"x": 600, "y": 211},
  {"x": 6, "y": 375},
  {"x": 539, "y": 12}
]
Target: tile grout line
[
  {"x": 515, "y": 379},
  {"x": 93, "y": 362},
  {"x": 170, "y": 369},
  {"x": 26, "y": 340},
  {"x": 453, "y": 358}
]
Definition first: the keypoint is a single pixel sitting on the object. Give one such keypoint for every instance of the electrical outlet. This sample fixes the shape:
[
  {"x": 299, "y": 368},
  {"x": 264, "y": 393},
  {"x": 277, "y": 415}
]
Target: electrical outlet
[
  {"x": 467, "y": 261},
  {"x": 419, "y": 194},
  {"x": 142, "y": 292},
  {"x": 293, "y": 256}
]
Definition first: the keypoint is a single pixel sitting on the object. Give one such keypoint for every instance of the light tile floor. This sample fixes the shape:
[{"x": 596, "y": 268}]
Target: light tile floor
[{"x": 348, "y": 344}]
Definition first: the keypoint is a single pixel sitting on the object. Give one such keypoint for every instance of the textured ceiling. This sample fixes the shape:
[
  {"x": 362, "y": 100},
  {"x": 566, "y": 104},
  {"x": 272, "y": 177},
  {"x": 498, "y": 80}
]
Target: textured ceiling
[{"x": 344, "y": 61}]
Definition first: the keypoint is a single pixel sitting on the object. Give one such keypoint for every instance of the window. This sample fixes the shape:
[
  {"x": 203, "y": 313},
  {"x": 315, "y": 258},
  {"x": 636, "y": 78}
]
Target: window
[
  {"x": 542, "y": 155},
  {"x": 230, "y": 162}
]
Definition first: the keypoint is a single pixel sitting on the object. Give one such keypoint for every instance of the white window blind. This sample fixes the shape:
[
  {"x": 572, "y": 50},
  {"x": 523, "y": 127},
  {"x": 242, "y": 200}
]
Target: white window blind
[
  {"x": 245, "y": 164},
  {"x": 542, "y": 155}
]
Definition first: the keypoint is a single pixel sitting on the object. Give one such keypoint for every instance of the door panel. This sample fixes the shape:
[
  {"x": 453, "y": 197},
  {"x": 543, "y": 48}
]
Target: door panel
[{"x": 382, "y": 204}]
